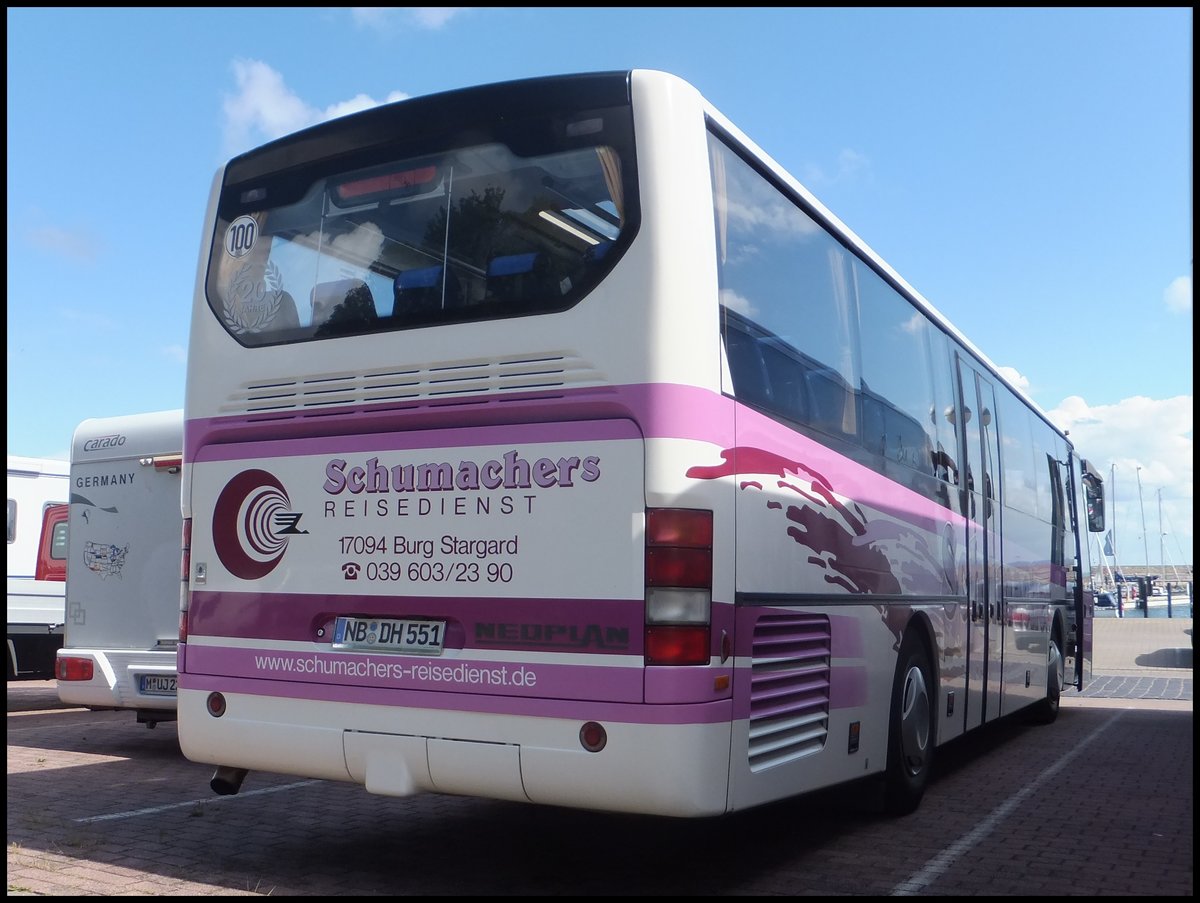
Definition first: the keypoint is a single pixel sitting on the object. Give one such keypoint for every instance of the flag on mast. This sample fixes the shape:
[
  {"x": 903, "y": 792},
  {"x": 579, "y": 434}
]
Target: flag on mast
[{"x": 1108, "y": 549}]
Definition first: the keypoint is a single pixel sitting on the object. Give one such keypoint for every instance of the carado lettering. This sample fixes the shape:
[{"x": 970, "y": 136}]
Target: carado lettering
[
  {"x": 114, "y": 441},
  {"x": 511, "y": 472}
]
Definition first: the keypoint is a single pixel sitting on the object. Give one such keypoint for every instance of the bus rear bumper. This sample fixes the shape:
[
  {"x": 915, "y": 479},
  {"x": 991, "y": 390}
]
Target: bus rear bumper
[{"x": 664, "y": 769}]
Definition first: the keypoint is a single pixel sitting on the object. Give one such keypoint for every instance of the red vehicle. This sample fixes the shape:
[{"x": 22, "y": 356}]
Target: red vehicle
[{"x": 52, "y": 547}]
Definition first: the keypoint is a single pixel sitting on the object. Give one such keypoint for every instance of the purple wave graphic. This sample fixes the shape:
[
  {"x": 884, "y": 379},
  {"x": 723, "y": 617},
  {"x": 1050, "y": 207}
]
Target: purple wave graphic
[{"x": 859, "y": 554}]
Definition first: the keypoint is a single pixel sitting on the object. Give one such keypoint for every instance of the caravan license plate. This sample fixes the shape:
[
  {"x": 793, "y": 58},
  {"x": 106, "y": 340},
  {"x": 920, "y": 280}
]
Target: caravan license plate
[
  {"x": 158, "y": 684},
  {"x": 390, "y": 635}
]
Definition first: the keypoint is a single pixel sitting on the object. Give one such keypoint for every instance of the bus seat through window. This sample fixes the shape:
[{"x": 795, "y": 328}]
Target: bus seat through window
[
  {"x": 833, "y": 409},
  {"x": 416, "y": 292},
  {"x": 746, "y": 367},
  {"x": 786, "y": 379},
  {"x": 875, "y": 423},
  {"x": 517, "y": 278}
]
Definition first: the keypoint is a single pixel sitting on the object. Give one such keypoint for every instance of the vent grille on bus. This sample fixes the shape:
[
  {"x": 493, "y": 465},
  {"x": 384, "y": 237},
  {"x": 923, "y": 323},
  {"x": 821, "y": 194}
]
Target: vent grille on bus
[
  {"x": 789, "y": 688},
  {"x": 415, "y": 384}
]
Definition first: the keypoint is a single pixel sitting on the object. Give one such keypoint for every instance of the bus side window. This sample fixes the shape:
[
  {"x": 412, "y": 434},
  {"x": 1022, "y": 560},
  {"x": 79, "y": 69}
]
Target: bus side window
[
  {"x": 833, "y": 402},
  {"x": 746, "y": 367}
]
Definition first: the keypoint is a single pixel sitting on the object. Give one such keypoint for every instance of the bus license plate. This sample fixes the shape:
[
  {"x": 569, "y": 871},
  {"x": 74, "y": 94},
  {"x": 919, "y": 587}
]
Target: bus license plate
[
  {"x": 390, "y": 635},
  {"x": 157, "y": 684}
]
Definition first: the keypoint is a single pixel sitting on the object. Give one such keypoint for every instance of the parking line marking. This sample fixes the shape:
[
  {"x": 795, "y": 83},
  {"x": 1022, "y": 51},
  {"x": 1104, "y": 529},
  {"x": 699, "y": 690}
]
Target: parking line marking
[
  {"x": 204, "y": 802},
  {"x": 940, "y": 864}
]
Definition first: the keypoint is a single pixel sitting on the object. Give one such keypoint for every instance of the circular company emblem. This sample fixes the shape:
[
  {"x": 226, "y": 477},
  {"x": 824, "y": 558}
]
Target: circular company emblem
[{"x": 245, "y": 524}]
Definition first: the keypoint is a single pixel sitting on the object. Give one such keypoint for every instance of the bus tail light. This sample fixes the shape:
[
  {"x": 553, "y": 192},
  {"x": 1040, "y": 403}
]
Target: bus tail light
[
  {"x": 72, "y": 668},
  {"x": 678, "y": 586}
]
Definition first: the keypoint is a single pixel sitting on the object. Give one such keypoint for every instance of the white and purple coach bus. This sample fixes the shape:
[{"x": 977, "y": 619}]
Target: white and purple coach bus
[{"x": 546, "y": 441}]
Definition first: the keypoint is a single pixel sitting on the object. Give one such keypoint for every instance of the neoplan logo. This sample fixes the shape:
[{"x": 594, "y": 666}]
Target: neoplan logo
[{"x": 252, "y": 522}]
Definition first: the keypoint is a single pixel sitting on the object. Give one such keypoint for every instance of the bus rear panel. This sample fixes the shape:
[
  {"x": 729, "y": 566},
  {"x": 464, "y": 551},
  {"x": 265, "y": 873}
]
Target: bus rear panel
[{"x": 423, "y": 550}]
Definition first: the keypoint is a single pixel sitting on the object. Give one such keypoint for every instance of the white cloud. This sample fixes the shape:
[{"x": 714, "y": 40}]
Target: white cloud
[
  {"x": 176, "y": 353},
  {"x": 1154, "y": 435},
  {"x": 383, "y": 18},
  {"x": 738, "y": 303},
  {"x": 435, "y": 16},
  {"x": 372, "y": 16},
  {"x": 1179, "y": 295},
  {"x": 264, "y": 108},
  {"x": 850, "y": 166},
  {"x": 1014, "y": 377},
  {"x": 851, "y": 163},
  {"x": 76, "y": 245},
  {"x": 94, "y": 320},
  {"x": 357, "y": 103}
]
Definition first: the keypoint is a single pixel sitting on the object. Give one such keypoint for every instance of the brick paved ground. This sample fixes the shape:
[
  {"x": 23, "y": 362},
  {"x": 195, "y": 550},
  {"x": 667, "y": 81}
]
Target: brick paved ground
[{"x": 1100, "y": 804}]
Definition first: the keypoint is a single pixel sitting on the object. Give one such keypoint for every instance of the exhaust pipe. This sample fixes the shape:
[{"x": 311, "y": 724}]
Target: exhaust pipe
[{"x": 227, "y": 781}]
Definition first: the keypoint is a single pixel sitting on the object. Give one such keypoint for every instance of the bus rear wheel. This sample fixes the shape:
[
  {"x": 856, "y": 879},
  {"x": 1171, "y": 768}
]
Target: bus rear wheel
[
  {"x": 910, "y": 729},
  {"x": 1045, "y": 711}
]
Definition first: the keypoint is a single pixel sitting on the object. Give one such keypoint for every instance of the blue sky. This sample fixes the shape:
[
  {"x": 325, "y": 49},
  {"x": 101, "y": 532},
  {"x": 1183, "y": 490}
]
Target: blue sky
[{"x": 1028, "y": 170}]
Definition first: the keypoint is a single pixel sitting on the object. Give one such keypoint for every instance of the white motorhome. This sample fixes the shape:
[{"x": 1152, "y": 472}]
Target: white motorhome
[
  {"x": 35, "y": 594},
  {"x": 123, "y": 572}
]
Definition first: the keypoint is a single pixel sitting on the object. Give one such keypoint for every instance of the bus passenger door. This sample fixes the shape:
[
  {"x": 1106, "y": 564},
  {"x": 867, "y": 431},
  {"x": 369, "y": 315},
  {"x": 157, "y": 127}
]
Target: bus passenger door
[{"x": 985, "y": 635}]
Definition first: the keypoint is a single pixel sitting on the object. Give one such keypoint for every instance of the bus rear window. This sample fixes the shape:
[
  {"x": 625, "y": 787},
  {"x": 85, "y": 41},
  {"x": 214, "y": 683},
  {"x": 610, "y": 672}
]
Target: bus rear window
[{"x": 471, "y": 232}]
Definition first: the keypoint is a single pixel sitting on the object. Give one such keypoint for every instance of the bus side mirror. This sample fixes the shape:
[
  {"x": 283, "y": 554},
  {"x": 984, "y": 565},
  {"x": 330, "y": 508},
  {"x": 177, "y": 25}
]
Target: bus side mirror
[
  {"x": 1095, "y": 509},
  {"x": 1093, "y": 495}
]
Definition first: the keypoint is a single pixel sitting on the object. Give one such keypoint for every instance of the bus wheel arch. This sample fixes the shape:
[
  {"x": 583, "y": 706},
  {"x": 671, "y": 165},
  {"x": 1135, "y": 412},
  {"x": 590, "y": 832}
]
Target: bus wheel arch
[{"x": 912, "y": 721}]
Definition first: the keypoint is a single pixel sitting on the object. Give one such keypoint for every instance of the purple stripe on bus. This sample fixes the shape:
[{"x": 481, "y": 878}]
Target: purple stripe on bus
[
  {"x": 551, "y": 625},
  {"x": 848, "y": 688},
  {"x": 398, "y": 673},
  {"x": 580, "y": 710}
]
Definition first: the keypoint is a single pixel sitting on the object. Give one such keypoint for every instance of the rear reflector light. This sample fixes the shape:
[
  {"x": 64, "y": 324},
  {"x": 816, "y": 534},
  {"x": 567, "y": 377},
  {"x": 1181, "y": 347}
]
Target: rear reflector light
[
  {"x": 677, "y": 645},
  {"x": 593, "y": 736},
  {"x": 69, "y": 668}
]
